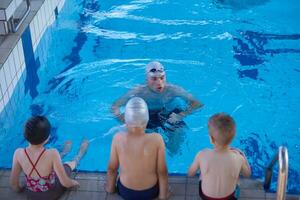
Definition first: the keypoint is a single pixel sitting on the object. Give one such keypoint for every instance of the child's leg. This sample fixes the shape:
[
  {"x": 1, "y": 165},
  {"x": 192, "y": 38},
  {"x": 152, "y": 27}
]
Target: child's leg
[
  {"x": 83, "y": 148},
  {"x": 66, "y": 149}
]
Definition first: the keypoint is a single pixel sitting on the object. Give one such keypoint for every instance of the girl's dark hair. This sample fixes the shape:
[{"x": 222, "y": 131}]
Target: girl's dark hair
[{"x": 37, "y": 130}]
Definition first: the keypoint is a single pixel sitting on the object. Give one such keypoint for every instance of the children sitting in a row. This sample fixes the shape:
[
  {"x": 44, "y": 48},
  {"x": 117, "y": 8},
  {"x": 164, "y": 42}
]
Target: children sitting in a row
[{"x": 139, "y": 157}]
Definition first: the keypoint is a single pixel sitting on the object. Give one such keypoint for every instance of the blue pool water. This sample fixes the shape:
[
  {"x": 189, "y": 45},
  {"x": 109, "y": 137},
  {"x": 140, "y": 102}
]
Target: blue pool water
[{"x": 239, "y": 57}]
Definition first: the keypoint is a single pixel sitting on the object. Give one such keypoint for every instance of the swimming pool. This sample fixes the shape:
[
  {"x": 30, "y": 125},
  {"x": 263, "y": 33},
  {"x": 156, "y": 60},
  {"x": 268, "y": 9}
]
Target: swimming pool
[{"x": 240, "y": 58}]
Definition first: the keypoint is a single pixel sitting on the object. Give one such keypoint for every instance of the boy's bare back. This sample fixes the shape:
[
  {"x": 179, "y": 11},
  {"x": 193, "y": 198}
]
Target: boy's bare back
[{"x": 138, "y": 158}]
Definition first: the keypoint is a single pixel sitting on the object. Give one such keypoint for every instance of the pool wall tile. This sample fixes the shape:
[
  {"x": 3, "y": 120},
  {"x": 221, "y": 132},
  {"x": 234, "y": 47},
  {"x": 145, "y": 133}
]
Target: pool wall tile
[
  {"x": 1, "y": 103},
  {"x": 60, "y": 5},
  {"x": 3, "y": 85},
  {"x": 6, "y": 75},
  {"x": 13, "y": 67}
]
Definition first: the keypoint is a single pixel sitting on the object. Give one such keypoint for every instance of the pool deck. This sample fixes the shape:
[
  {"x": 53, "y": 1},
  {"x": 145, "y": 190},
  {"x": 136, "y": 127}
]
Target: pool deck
[{"x": 183, "y": 188}]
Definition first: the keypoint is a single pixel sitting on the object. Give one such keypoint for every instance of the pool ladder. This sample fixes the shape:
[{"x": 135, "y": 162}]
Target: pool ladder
[
  {"x": 283, "y": 160},
  {"x": 10, "y": 17}
]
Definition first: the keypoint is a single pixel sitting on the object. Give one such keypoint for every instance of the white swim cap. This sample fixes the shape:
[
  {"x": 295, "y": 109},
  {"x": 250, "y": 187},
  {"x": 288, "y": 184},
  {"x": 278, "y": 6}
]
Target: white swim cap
[
  {"x": 136, "y": 113},
  {"x": 155, "y": 68}
]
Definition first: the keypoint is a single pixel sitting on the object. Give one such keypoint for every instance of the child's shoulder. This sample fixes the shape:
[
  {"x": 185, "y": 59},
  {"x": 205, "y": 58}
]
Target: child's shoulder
[
  {"x": 18, "y": 151},
  {"x": 206, "y": 150},
  {"x": 203, "y": 152},
  {"x": 52, "y": 151},
  {"x": 237, "y": 151}
]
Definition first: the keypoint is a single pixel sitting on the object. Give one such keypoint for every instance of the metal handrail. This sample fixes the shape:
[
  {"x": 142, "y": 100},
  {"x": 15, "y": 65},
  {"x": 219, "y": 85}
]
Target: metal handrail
[
  {"x": 282, "y": 157},
  {"x": 14, "y": 28}
]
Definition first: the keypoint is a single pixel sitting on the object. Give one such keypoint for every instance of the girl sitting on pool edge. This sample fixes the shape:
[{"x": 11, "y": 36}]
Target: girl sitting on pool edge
[{"x": 45, "y": 175}]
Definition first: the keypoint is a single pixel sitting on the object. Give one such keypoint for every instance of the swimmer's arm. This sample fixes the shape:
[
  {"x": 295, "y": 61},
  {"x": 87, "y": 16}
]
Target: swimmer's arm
[
  {"x": 113, "y": 166},
  {"x": 162, "y": 171},
  {"x": 59, "y": 169},
  {"x": 115, "y": 108},
  {"x": 15, "y": 172},
  {"x": 193, "y": 103},
  {"x": 195, "y": 166}
]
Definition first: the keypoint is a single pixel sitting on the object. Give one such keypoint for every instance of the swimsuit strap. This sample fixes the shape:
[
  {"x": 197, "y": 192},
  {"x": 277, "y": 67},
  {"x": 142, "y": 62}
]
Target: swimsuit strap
[{"x": 34, "y": 165}]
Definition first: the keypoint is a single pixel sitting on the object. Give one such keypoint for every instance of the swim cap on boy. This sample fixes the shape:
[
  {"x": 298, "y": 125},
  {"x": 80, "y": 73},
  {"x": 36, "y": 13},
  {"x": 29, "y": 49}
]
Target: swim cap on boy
[
  {"x": 136, "y": 113},
  {"x": 155, "y": 68}
]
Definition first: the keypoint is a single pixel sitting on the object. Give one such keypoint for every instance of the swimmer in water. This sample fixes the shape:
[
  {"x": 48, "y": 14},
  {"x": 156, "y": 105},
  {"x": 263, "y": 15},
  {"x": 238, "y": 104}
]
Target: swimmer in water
[
  {"x": 159, "y": 95},
  {"x": 140, "y": 157}
]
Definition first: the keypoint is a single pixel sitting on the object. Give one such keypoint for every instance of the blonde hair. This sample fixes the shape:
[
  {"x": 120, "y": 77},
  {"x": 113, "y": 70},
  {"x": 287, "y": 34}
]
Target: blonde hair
[{"x": 224, "y": 128}]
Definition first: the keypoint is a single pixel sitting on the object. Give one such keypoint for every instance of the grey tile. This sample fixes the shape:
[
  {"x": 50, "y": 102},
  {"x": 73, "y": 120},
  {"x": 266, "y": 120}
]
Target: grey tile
[
  {"x": 188, "y": 197},
  {"x": 80, "y": 195},
  {"x": 270, "y": 195},
  {"x": 4, "y": 181},
  {"x": 257, "y": 194},
  {"x": 89, "y": 176},
  {"x": 102, "y": 177},
  {"x": 10, "y": 41},
  {"x": 113, "y": 197},
  {"x": 251, "y": 184},
  {"x": 6, "y": 172},
  {"x": 91, "y": 185},
  {"x": 65, "y": 195},
  {"x": 292, "y": 197},
  {"x": 193, "y": 180},
  {"x": 177, "y": 189},
  {"x": 177, "y": 197},
  {"x": 4, "y": 52},
  {"x": 192, "y": 189},
  {"x": 177, "y": 179},
  {"x": 8, "y": 194}
]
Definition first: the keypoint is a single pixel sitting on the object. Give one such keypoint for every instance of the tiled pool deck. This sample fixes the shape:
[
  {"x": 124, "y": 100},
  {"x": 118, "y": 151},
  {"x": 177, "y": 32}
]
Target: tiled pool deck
[{"x": 92, "y": 188}]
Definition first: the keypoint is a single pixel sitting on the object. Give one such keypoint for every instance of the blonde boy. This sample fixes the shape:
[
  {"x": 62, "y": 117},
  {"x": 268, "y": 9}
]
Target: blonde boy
[{"x": 221, "y": 166}]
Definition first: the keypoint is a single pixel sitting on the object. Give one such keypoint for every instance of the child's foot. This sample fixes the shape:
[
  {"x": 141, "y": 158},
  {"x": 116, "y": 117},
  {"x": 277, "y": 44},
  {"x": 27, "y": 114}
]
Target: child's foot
[
  {"x": 83, "y": 148},
  {"x": 67, "y": 148}
]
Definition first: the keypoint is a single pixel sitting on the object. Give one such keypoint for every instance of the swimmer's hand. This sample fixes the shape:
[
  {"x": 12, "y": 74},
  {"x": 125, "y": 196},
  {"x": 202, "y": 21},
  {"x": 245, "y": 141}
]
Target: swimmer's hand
[
  {"x": 174, "y": 118},
  {"x": 121, "y": 117}
]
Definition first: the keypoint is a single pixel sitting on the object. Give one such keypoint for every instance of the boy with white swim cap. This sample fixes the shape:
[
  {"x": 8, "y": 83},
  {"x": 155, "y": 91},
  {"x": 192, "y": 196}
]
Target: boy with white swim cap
[
  {"x": 140, "y": 157},
  {"x": 136, "y": 113}
]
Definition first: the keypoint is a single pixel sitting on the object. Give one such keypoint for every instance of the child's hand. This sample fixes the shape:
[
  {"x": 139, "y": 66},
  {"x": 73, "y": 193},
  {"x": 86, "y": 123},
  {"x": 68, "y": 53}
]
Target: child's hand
[
  {"x": 169, "y": 192},
  {"x": 75, "y": 184},
  {"x": 109, "y": 190}
]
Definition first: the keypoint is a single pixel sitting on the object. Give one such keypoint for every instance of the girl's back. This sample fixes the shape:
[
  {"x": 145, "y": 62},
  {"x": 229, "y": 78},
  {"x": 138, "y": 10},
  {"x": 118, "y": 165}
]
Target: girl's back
[{"x": 44, "y": 166}]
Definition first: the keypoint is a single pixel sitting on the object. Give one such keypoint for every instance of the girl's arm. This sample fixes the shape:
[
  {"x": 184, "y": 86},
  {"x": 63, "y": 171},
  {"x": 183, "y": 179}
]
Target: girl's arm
[
  {"x": 195, "y": 166},
  {"x": 59, "y": 169},
  {"x": 15, "y": 172}
]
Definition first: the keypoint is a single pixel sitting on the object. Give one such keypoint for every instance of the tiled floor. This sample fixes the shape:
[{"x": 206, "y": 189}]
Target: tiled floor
[{"x": 92, "y": 188}]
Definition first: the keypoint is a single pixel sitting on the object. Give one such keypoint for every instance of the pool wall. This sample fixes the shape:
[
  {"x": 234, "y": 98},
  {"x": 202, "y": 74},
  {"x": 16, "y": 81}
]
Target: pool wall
[{"x": 17, "y": 50}]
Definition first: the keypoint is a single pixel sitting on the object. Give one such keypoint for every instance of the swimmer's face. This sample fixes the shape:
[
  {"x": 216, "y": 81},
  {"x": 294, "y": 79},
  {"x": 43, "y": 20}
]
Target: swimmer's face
[{"x": 156, "y": 83}]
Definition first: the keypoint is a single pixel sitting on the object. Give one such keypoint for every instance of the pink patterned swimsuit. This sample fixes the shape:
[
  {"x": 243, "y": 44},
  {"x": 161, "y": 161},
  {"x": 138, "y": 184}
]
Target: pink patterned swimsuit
[{"x": 41, "y": 184}]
